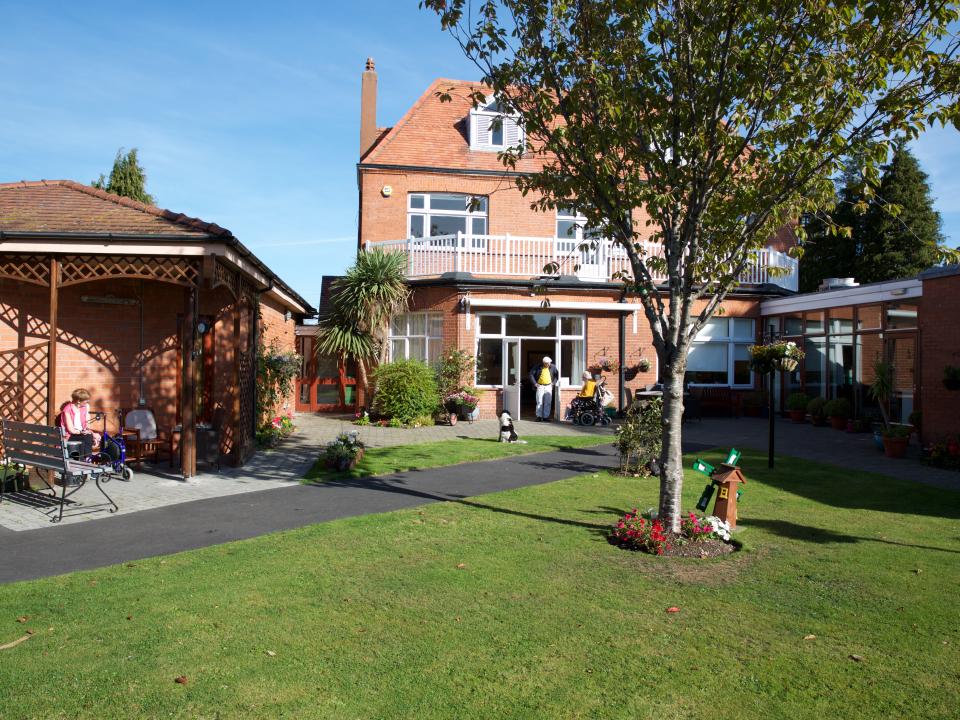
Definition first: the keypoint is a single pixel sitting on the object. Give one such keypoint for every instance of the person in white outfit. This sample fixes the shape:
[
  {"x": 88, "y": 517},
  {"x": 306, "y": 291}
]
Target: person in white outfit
[{"x": 544, "y": 379}]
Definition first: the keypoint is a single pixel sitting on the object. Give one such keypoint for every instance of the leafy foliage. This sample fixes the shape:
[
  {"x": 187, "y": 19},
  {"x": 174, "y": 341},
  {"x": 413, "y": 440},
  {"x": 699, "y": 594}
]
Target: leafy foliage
[
  {"x": 639, "y": 437},
  {"x": 797, "y": 401},
  {"x": 454, "y": 371},
  {"x": 276, "y": 371},
  {"x": 724, "y": 122},
  {"x": 838, "y": 408},
  {"x": 127, "y": 178},
  {"x": 406, "y": 389}
]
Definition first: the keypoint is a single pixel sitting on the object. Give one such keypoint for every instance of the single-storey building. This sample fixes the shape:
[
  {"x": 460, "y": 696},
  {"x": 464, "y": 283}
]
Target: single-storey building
[{"x": 142, "y": 306}]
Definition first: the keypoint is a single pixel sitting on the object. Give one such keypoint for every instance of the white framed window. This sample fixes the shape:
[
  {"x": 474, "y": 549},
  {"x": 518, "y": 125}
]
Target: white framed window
[
  {"x": 445, "y": 214},
  {"x": 572, "y": 232},
  {"x": 720, "y": 355},
  {"x": 492, "y": 130},
  {"x": 568, "y": 333},
  {"x": 416, "y": 336}
]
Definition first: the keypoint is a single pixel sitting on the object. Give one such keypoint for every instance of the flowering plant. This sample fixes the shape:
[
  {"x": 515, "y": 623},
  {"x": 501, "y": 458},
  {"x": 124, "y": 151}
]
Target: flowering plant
[
  {"x": 635, "y": 532},
  {"x": 461, "y": 399},
  {"x": 778, "y": 355},
  {"x": 344, "y": 449},
  {"x": 696, "y": 529},
  {"x": 271, "y": 433},
  {"x": 361, "y": 418},
  {"x": 944, "y": 453},
  {"x": 604, "y": 364}
]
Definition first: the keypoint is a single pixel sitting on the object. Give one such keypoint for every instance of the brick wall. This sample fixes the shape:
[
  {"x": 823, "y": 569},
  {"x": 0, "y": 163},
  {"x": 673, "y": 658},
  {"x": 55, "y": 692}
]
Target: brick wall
[
  {"x": 275, "y": 329},
  {"x": 939, "y": 347}
]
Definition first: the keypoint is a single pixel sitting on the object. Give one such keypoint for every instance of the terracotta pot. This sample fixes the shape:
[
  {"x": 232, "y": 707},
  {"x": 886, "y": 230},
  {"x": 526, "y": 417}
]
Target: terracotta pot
[
  {"x": 838, "y": 423},
  {"x": 818, "y": 420},
  {"x": 895, "y": 447},
  {"x": 798, "y": 416}
]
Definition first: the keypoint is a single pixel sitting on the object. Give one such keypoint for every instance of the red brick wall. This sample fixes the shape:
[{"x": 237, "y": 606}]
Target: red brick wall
[
  {"x": 939, "y": 347},
  {"x": 277, "y": 330}
]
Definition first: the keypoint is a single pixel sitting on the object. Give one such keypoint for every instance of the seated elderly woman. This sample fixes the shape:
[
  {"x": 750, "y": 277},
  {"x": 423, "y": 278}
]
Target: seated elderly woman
[
  {"x": 75, "y": 421},
  {"x": 589, "y": 386}
]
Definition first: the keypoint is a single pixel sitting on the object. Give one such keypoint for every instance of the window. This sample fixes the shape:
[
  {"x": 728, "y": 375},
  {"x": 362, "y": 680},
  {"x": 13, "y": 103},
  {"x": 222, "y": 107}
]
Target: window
[
  {"x": 491, "y": 129},
  {"x": 721, "y": 353},
  {"x": 567, "y": 332},
  {"x": 416, "y": 336},
  {"x": 444, "y": 214},
  {"x": 901, "y": 315},
  {"x": 572, "y": 231}
]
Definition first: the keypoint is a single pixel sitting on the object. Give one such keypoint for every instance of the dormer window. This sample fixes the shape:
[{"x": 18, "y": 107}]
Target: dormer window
[{"x": 493, "y": 130}]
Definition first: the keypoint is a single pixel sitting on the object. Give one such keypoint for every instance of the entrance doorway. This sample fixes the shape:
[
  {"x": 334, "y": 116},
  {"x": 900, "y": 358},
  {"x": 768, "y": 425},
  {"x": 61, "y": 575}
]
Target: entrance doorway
[{"x": 521, "y": 355}]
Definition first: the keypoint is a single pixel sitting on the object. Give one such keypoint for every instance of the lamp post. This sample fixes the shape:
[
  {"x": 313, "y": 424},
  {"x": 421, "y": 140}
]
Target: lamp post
[{"x": 768, "y": 338}]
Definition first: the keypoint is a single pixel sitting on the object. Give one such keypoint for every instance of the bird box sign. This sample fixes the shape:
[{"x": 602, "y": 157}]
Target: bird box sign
[{"x": 727, "y": 477}]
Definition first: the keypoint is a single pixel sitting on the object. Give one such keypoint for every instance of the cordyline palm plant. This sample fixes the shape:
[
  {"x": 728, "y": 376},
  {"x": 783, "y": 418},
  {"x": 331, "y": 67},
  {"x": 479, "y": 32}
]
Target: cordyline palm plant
[{"x": 356, "y": 325}]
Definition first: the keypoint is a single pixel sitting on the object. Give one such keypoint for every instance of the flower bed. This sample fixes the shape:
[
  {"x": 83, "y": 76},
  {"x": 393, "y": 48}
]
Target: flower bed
[
  {"x": 945, "y": 453},
  {"x": 698, "y": 537},
  {"x": 280, "y": 427}
]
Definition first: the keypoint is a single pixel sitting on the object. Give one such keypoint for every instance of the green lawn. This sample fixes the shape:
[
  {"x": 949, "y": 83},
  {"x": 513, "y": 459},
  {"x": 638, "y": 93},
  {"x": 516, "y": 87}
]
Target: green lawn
[
  {"x": 401, "y": 458},
  {"x": 513, "y": 605}
]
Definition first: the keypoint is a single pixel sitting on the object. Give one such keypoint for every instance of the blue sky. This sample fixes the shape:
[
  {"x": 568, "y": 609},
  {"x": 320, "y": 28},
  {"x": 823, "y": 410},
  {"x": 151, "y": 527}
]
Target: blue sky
[{"x": 245, "y": 114}]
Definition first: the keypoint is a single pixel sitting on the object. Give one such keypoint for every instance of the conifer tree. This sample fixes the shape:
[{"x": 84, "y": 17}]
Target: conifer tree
[
  {"x": 127, "y": 178},
  {"x": 900, "y": 233}
]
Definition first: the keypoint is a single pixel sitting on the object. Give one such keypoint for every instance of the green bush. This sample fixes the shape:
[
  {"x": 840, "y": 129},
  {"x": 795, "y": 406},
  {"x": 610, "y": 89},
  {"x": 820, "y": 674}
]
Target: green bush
[
  {"x": 405, "y": 389},
  {"x": 838, "y": 408},
  {"x": 797, "y": 401},
  {"x": 816, "y": 407},
  {"x": 639, "y": 437}
]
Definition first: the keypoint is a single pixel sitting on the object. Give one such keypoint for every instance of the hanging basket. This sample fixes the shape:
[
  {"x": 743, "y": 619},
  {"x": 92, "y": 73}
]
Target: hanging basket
[{"x": 788, "y": 364}]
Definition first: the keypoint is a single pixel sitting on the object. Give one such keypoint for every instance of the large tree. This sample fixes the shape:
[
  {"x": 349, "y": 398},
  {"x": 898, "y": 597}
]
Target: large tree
[
  {"x": 723, "y": 119},
  {"x": 127, "y": 178},
  {"x": 900, "y": 233}
]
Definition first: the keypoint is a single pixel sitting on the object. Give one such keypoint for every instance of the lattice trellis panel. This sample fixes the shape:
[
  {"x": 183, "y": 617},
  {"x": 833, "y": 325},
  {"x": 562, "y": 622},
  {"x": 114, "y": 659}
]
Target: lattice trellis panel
[
  {"x": 222, "y": 275},
  {"x": 245, "y": 441},
  {"x": 23, "y": 384},
  {"x": 85, "y": 268},
  {"x": 28, "y": 268}
]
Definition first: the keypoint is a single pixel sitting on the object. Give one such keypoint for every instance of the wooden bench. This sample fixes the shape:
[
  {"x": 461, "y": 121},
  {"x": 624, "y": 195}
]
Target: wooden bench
[{"x": 42, "y": 448}]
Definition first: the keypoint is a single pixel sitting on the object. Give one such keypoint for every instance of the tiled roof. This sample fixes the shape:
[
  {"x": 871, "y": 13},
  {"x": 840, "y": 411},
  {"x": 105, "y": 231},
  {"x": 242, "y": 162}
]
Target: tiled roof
[
  {"x": 65, "y": 206},
  {"x": 436, "y": 134}
]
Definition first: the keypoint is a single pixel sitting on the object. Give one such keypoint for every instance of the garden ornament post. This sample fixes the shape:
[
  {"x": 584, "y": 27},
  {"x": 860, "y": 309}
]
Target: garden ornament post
[{"x": 767, "y": 359}]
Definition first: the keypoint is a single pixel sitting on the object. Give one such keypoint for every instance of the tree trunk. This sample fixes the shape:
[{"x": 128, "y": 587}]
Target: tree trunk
[{"x": 671, "y": 457}]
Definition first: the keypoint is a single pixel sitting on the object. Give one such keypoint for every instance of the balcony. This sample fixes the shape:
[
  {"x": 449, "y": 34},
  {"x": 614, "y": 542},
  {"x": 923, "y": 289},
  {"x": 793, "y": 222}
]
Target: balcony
[{"x": 525, "y": 257}]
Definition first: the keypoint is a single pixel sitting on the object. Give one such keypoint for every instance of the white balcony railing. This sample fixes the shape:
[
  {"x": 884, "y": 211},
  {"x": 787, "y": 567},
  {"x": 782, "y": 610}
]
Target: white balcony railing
[{"x": 526, "y": 257}]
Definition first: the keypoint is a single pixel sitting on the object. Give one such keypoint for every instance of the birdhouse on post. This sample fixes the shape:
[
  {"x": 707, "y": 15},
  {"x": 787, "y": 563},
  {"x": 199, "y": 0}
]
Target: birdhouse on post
[{"x": 727, "y": 477}]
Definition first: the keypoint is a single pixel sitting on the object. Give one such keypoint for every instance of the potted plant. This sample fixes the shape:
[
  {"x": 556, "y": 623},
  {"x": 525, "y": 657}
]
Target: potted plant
[
  {"x": 465, "y": 403},
  {"x": 344, "y": 453},
  {"x": 895, "y": 440},
  {"x": 815, "y": 408},
  {"x": 839, "y": 411},
  {"x": 797, "y": 406}
]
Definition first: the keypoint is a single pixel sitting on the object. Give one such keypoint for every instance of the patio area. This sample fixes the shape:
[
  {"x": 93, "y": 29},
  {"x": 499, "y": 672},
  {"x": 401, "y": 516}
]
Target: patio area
[{"x": 156, "y": 486}]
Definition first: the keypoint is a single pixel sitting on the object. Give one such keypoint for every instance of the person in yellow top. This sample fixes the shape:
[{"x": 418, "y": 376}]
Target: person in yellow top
[
  {"x": 543, "y": 378},
  {"x": 589, "y": 386}
]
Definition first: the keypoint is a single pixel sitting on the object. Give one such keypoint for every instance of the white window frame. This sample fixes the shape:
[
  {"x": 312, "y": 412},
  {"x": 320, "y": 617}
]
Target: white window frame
[
  {"x": 731, "y": 341},
  {"x": 557, "y": 338},
  {"x": 406, "y": 336},
  {"x": 476, "y": 243},
  {"x": 483, "y": 119}
]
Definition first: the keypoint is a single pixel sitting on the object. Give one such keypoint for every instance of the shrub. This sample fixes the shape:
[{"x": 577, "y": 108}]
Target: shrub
[
  {"x": 454, "y": 370},
  {"x": 838, "y": 408},
  {"x": 345, "y": 449},
  {"x": 944, "y": 453},
  {"x": 405, "y": 389},
  {"x": 639, "y": 437},
  {"x": 816, "y": 407},
  {"x": 797, "y": 401}
]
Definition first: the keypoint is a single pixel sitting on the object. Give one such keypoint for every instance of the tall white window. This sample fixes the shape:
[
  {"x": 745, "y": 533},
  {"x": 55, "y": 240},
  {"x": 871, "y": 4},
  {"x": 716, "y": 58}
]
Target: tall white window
[
  {"x": 566, "y": 333},
  {"x": 444, "y": 214},
  {"x": 492, "y": 129},
  {"x": 416, "y": 336},
  {"x": 720, "y": 355},
  {"x": 572, "y": 231}
]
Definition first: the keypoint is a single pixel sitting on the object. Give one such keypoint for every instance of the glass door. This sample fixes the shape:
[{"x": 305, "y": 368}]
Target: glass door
[{"x": 512, "y": 375}]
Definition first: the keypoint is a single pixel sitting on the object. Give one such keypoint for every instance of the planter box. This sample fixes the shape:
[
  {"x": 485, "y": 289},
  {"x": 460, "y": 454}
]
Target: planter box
[{"x": 895, "y": 447}]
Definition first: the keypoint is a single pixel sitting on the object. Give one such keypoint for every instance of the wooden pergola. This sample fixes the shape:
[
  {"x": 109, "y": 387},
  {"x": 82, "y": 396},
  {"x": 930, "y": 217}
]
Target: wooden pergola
[{"x": 29, "y": 373}]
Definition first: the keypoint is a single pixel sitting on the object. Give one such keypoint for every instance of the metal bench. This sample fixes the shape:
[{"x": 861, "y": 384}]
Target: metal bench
[{"x": 42, "y": 448}]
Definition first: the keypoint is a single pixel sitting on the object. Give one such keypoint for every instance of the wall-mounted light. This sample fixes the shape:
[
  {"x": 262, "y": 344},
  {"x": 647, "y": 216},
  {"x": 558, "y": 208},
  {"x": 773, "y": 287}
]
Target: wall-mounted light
[
  {"x": 202, "y": 327},
  {"x": 288, "y": 316},
  {"x": 386, "y": 191}
]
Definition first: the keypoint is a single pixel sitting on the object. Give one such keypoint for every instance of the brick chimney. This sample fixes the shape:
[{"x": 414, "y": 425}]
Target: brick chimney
[{"x": 368, "y": 107}]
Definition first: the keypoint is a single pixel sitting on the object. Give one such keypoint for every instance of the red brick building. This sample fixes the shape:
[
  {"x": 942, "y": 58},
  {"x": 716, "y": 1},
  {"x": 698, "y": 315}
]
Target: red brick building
[
  {"x": 433, "y": 187},
  {"x": 144, "y": 307}
]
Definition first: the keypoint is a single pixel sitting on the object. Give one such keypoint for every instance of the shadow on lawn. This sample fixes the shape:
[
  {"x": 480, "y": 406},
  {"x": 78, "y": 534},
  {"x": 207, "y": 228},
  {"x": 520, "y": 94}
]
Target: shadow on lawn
[
  {"x": 845, "y": 488},
  {"x": 808, "y": 533},
  {"x": 397, "y": 485}
]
